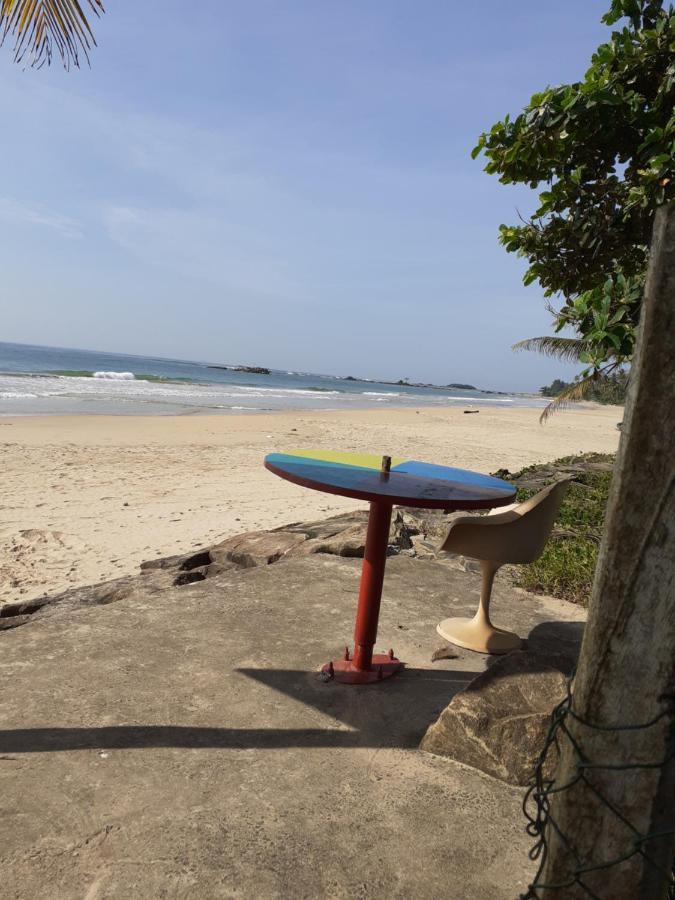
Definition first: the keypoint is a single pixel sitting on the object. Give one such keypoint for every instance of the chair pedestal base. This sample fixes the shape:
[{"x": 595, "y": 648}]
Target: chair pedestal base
[{"x": 479, "y": 636}]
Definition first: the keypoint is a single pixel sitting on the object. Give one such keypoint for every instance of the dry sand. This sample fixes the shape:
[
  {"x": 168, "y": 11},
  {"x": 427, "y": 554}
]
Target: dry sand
[{"x": 87, "y": 498}]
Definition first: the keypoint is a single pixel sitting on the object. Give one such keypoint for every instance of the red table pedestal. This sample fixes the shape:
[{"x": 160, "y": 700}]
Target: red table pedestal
[
  {"x": 383, "y": 482},
  {"x": 364, "y": 667}
]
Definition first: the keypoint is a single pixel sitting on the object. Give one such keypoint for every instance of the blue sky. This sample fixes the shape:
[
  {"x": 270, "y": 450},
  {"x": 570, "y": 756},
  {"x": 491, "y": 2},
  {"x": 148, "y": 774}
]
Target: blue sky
[{"x": 283, "y": 183}]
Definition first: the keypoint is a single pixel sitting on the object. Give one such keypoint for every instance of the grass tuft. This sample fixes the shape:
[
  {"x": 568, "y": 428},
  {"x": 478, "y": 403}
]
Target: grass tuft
[{"x": 567, "y": 566}]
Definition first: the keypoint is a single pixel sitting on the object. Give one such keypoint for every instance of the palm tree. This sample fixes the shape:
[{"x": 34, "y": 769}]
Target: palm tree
[
  {"x": 567, "y": 350},
  {"x": 40, "y": 27}
]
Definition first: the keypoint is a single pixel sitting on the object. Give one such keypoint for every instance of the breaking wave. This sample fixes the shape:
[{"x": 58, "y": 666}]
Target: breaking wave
[
  {"x": 129, "y": 385},
  {"x": 115, "y": 376},
  {"x": 380, "y": 394}
]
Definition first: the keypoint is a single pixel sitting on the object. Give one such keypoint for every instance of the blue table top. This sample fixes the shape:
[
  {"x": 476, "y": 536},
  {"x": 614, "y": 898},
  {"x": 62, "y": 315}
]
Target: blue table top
[{"x": 408, "y": 483}]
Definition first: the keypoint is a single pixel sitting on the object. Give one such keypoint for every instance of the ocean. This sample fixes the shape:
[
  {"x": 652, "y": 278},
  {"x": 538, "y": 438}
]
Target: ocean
[{"x": 51, "y": 380}]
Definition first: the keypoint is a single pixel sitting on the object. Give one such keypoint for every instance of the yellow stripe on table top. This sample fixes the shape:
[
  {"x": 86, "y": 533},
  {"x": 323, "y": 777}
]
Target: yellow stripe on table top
[{"x": 362, "y": 460}]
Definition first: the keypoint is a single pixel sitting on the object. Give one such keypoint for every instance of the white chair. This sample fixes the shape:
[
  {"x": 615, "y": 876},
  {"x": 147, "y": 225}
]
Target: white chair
[{"x": 515, "y": 534}]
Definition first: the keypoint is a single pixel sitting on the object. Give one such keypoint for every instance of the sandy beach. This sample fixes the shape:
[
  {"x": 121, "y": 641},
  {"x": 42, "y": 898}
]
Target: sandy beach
[{"x": 88, "y": 498}]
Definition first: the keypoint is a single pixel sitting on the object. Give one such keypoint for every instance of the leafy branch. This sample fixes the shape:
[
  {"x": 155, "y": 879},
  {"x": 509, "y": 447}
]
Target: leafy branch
[
  {"x": 42, "y": 27},
  {"x": 601, "y": 152}
]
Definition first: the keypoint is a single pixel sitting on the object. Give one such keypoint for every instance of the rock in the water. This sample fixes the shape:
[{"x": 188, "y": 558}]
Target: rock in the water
[{"x": 499, "y": 722}]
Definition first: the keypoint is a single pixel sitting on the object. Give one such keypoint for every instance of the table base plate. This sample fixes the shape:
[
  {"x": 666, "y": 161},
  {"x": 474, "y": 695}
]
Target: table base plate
[{"x": 343, "y": 671}]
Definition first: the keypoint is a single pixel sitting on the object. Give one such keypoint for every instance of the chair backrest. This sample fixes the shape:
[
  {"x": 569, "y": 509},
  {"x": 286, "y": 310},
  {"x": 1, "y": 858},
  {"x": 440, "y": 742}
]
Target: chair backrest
[{"x": 519, "y": 538}]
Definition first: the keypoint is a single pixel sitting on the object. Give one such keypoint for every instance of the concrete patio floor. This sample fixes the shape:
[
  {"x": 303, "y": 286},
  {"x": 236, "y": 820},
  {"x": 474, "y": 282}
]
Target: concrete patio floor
[{"x": 182, "y": 744}]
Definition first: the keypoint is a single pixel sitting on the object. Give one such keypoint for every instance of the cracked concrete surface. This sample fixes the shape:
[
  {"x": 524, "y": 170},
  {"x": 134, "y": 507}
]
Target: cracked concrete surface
[{"x": 180, "y": 744}]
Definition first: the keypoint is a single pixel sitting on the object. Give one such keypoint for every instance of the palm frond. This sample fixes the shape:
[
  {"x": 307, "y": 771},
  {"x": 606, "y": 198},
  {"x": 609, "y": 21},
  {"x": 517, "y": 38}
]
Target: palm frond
[
  {"x": 571, "y": 394},
  {"x": 567, "y": 349},
  {"x": 42, "y": 27}
]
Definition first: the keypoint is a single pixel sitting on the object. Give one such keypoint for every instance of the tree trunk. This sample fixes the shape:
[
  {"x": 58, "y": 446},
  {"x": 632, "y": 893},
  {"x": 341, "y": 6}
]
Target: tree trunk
[{"x": 626, "y": 670}]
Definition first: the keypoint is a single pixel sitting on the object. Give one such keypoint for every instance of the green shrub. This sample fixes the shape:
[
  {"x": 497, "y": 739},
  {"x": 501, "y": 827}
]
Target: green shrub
[{"x": 566, "y": 567}]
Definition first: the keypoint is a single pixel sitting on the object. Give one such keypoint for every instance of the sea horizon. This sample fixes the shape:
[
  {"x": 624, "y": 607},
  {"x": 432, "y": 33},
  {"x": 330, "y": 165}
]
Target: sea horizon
[{"x": 42, "y": 380}]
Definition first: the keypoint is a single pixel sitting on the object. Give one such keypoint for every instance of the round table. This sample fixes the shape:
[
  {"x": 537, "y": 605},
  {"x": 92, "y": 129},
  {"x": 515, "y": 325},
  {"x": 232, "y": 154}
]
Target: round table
[{"x": 383, "y": 481}]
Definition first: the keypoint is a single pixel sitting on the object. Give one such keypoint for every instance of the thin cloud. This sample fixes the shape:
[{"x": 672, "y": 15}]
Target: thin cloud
[
  {"x": 15, "y": 212},
  {"x": 205, "y": 247}
]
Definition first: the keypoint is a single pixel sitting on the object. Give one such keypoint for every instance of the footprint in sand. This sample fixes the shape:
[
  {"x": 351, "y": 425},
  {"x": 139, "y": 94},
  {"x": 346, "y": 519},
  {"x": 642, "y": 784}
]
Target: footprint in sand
[{"x": 34, "y": 557}]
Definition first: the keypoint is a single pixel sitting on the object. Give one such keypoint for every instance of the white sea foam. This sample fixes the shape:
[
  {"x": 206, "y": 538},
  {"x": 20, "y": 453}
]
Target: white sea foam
[
  {"x": 110, "y": 390},
  {"x": 471, "y": 400},
  {"x": 14, "y": 395},
  {"x": 120, "y": 386},
  {"x": 281, "y": 392},
  {"x": 380, "y": 394},
  {"x": 116, "y": 376}
]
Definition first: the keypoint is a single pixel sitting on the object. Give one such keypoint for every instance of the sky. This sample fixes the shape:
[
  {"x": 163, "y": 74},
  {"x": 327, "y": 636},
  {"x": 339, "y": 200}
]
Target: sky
[{"x": 286, "y": 184}]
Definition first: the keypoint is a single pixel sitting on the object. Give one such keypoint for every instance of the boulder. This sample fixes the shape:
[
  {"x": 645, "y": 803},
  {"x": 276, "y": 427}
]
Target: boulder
[
  {"x": 343, "y": 535},
  {"x": 499, "y": 722},
  {"x": 428, "y": 528},
  {"x": 256, "y": 548},
  {"x": 350, "y": 539},
  {"x": 430, "y": 524},
  {"x": 346, "y": 542},
  {"x": 534, "y": 478}
]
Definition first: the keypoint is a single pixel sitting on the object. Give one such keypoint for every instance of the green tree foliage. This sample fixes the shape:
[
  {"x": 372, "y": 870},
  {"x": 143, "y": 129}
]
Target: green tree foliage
[
  {"x": 608, "y": 389},
  {"x": 557, "y": 386},
  {"x": 604, "y": 148}
]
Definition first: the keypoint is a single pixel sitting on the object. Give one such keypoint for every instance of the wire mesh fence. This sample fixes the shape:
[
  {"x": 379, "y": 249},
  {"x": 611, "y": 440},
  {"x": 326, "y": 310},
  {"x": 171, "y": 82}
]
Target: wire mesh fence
[{"x": 539, "y": 801}]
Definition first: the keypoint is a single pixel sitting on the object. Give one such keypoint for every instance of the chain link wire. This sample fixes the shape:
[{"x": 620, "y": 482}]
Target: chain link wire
[{"x": 537, "y": 802}]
